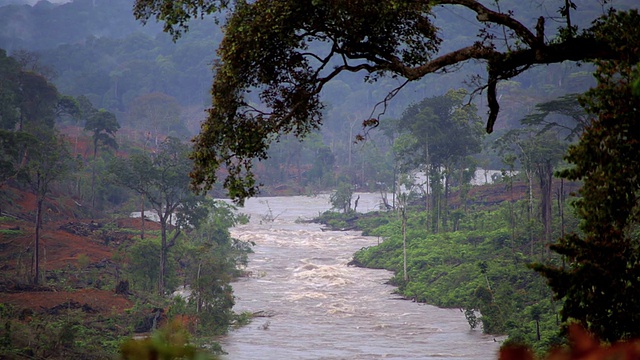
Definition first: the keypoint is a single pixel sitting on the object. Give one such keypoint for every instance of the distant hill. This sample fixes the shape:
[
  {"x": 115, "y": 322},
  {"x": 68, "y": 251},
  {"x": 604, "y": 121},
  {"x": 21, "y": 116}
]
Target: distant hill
[
  {"x": 46, "y": 24},
  {"x": 98, "y": 49}
]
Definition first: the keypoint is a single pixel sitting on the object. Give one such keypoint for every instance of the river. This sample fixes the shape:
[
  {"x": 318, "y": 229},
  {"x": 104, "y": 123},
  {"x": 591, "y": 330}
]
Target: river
[{"x": 323, "y": 309}]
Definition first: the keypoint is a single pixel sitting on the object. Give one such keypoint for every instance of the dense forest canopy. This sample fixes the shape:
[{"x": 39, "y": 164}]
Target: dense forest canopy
[
  {"x": 86, "y": 71},
  {"x": 121, "y": 66},
  {"x": 44, "y": 24},
  {"x": 267, "y": 47}
]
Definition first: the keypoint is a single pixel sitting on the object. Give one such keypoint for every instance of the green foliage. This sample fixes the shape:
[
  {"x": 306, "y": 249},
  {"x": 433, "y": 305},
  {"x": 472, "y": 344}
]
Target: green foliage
[
  {"x": 438, "y": 136},
  {"x": 476, "y": 269},
  {"x": 167, "y": 343},
  {"x": 9, "y": 91},
  {"x": 571, "y": 121},
  {"x": 341, "y": 198},
  {"x": 9, "y": 233},
  {"x": 234, "y": 128},
  {"x": 211, "y": 259},
  {"x": 175, "y": 15},
  {"x": 143, "y": 258},
  {"x": 335, "y": 220},
  {"x": 243, "y": 319},
  {"x": 322, "y": 168},
  {"x": 162, "y": 179},
  {"x": 72, "y": 334},
  {"x": 600, "y": 282},
  {"x": 539, "y": 148},
  {"x": 441, "y": 131},
  {"x": 104, "y": 126}
]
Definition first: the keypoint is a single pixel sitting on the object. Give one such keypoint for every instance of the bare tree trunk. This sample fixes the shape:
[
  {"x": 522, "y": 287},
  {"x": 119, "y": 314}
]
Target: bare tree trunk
[
  {"x": 445, "y": 217},
  {"x": 199, "y": 303},
  {"x": 428, "y": 183},
  {"x": 530, "y": 209},
  {"x": 142, "y": 217},
  {"x": 545, "y": 173},
  {"x": 93, "y": 178},
  {"x": 163, "y": 254},
  {"x": 512, "y": 218},
  {"x": 561, "y": 210},
  {"x": 404, "y": 243},
  {"x": 36, "y": 278},
  {"x": 395, "y": 183}
]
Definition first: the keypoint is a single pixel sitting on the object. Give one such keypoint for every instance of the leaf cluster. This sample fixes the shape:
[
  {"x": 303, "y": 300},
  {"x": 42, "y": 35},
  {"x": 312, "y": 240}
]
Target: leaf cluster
[{"x": 600, "y": 284}]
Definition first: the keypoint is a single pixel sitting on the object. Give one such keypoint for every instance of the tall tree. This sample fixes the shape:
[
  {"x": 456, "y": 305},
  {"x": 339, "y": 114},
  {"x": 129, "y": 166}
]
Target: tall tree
[
  {"x": 38, "y": 102},
  {"x": 158, "y": 114},
  {"x": 162, "y": 178},
  {"x": 9, "y": 91},
  {"x": 12, "y": 146},
  {"x": 564, "y": 115},
  {"x": 600, "y": 286},
  {"x": 555, "y": 122},
  {"x": 213, "y": 259},
  {"x": 342, "y": 197},
  {"x": 103, "y": 125},
  {"x": 539, "y": 151},
  {"x": 439, "y": 134},
  {"x": 266, "y": 49},
  {"x": 31, "y": 147},
  {"x": 28, "y": 99},
  {"x": 48, "y": 161}
]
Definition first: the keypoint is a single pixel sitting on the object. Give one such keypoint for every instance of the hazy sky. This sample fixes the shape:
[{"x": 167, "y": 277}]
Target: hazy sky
[
  {"x": 51, "y": 1},
  {"x": 30, "y": 2}
]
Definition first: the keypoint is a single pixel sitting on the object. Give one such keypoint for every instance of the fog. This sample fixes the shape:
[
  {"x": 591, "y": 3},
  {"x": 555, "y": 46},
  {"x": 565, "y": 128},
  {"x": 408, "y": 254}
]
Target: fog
[{"x": 29, "y": 2}]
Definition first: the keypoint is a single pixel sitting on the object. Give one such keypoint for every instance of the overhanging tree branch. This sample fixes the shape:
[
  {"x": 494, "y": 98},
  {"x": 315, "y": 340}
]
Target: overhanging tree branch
[
  {"x": 486, "y": 15},
  {"x": 266, "y": 48}
]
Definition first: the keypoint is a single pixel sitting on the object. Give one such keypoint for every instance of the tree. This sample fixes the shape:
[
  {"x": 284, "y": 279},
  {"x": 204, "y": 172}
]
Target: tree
[
  {"x": 162, "y": 178},
  {"x": 30, "y": 148},
  {"x": 437, "y": 135},
  {"x": 48, "y": 161},
  {"x": 213, "y": 259},
  {"x": 157, "y": 113},
  {"x": 104, "y": 126},
  {"x": 266, "y": 48},
  {"x": 321, "y": 171},
  {"x": 12, "y": 146},
  {"x": 555, "y": 123},
  {"x": 600, "y": 285},
  {"x": 9, "y": 91},
  {"x": 564, "y": 115},
  {"x": 38, "y": 99},
  {"x": 403, "y": 202},
  {"x": 341, "y": 198},
  {"x": 539, "y": 151}
]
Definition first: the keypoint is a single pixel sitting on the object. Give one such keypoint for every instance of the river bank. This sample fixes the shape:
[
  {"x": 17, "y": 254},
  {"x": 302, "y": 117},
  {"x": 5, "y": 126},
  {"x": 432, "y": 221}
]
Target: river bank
[{"x": 324, "y": 309}]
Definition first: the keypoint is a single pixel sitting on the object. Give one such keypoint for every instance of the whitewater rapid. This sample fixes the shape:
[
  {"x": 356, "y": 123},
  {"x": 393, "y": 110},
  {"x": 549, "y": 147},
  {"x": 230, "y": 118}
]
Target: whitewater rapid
[{"x": 317, "y": 307}]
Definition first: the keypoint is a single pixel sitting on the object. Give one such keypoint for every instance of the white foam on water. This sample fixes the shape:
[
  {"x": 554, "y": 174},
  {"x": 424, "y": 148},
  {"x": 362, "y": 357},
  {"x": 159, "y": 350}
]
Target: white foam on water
[{"x": 325, "y": 309}]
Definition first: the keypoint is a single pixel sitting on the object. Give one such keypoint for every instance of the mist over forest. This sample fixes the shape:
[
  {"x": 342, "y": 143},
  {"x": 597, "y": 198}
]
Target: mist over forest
[
  {"x": 128, "y": 156},
  {"x": 97, "y": 49}
]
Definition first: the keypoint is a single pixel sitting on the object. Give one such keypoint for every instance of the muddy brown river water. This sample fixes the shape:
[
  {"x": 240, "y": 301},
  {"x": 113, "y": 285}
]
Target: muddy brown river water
[{"x": 323, "y": 309}]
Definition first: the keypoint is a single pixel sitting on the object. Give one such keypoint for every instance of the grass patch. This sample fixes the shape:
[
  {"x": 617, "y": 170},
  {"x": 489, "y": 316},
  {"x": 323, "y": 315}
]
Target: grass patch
[{"x": 10, "y": 232}]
